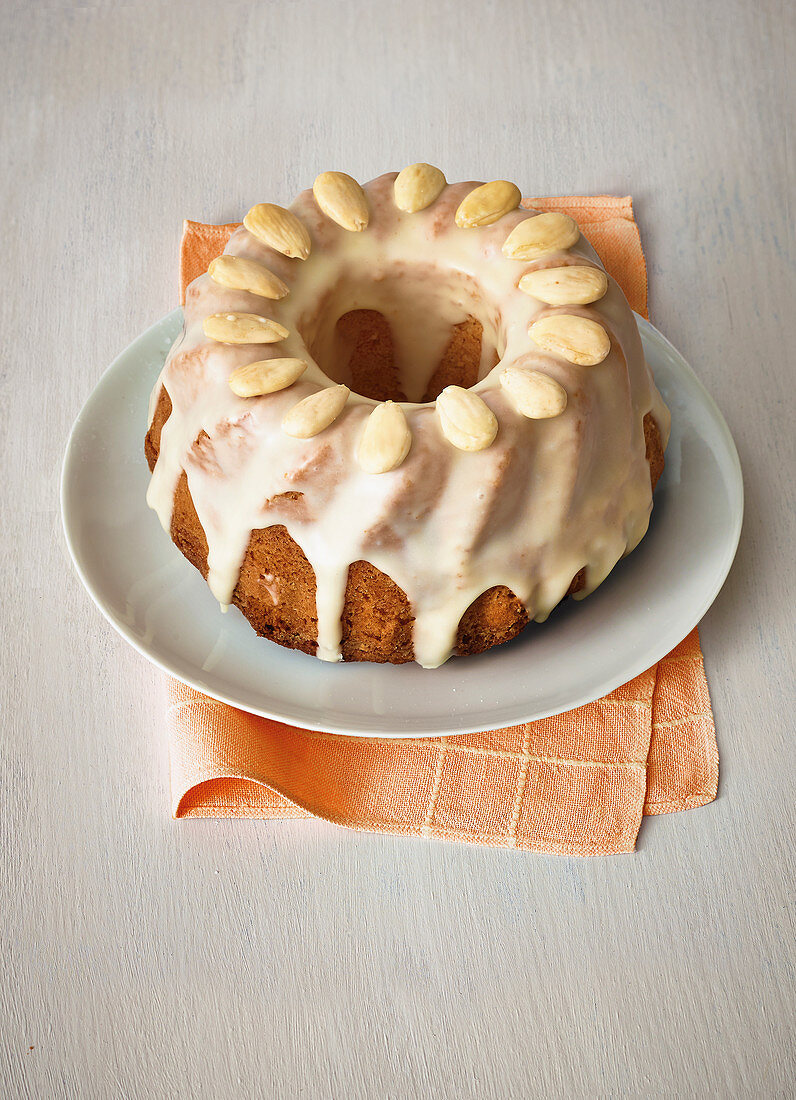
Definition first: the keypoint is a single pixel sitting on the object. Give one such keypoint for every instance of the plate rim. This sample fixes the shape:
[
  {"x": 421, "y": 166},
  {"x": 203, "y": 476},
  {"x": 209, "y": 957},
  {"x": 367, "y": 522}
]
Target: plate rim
[{"x": 666, "y": 641}]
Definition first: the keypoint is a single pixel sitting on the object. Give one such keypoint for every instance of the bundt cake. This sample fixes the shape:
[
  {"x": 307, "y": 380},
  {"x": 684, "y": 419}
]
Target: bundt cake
[{"x": 404, "y": 419}]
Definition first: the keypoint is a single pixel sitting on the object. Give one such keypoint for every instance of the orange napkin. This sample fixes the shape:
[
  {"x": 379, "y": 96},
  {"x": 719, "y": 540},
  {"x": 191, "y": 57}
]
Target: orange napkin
[{"x": 575, "y": 784}]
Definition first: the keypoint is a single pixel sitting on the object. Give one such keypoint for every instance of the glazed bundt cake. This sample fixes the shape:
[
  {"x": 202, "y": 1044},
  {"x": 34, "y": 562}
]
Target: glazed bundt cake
[{"x": 403, "y": 420}]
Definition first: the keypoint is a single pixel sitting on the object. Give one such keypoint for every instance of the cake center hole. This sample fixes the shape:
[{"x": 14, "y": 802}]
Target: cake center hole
[{"x": 404, "y": 339}]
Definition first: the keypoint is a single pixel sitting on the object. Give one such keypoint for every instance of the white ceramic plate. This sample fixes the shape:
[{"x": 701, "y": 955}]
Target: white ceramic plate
[{"x": 161, "y": 605}]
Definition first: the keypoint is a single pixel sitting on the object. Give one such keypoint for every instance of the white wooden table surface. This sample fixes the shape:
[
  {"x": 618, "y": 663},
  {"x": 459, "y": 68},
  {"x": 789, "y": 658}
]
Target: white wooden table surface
[{"x": 147, "y": 958}]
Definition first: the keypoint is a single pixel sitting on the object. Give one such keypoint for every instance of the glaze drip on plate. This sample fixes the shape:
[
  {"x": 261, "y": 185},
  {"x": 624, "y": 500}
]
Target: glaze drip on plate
[{"x": 535, "y": 472}]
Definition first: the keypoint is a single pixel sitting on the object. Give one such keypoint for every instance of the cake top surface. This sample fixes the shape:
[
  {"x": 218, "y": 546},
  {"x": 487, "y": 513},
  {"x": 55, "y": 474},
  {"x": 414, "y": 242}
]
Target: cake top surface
[{"x": 532, "y": 473}]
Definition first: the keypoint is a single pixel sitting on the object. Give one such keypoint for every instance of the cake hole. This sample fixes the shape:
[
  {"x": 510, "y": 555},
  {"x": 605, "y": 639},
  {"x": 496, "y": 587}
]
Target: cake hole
[
  {"x": 366, "y": 360},
  {"x": 404, "y": 337}
]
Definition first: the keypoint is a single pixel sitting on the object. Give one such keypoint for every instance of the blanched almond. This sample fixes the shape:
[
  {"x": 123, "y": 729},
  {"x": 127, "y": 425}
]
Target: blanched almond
[
  {"x": 417, "y": 186},
  {"x": 316, "y": 412},
  {"x": 577, "y": 339},
  {"x": 342, "y": 199},
  {"x": 243, "y": 328},
  {"x": 487, "y": 204},
  {"x": 266, "y": 376},
  {"x": 386, "y": 440},
  {"x": 536, "y": 236},
  {"x": 238, "y": 273},
  {"x": 279, "y": 229},
  {"x": 565, "y": 286},
  {"x": 467, "y": 421},
  {"x": 534, "y": 394}
]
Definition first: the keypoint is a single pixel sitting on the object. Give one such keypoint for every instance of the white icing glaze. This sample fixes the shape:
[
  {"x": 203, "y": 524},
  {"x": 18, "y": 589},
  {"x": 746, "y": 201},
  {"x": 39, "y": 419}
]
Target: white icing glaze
[{"x": 547, "y": 498}]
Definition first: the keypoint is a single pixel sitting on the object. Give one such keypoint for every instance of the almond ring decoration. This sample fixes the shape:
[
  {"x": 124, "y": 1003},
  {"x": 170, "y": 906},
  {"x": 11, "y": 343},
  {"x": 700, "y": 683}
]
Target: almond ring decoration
[{"x": 465, "y": 419}]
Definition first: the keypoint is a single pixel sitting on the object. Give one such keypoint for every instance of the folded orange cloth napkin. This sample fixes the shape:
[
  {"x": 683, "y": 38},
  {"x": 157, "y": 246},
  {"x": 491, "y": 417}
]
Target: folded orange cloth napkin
[{"x": 575, "y": 784}]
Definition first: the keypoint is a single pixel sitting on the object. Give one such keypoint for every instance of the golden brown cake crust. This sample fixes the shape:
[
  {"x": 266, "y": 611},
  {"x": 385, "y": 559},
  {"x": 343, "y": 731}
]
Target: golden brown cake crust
[
  {"x": 654, "y": 448},
  {"x": 152, "y": 441},
  {"x": 276, "y": 587}
]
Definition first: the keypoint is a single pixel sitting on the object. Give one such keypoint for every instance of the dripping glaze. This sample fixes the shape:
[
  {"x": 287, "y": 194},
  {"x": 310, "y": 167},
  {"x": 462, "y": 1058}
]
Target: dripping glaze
[{"x": 547, "y": 498}]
